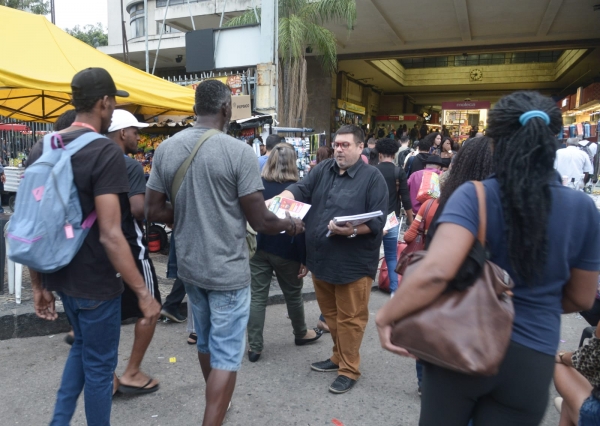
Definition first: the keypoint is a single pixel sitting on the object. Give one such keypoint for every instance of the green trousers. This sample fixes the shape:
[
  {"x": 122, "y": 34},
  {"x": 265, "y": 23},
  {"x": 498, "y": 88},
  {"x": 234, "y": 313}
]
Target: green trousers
[{"x": 262, "y": 266}]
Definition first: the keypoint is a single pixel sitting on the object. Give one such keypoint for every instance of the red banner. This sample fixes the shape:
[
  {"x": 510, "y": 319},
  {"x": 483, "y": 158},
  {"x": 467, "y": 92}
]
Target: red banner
[
  {"x": 466, "y": 105},
  {"x": 411, "y": 117}
]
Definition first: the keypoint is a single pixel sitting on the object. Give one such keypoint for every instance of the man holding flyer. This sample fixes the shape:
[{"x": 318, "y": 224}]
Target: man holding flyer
[{"x": 343, "y": 264}]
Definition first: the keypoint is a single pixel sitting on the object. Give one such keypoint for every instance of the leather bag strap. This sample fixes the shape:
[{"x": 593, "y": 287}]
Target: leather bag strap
[
  {"x": 426, "y": 215},
  {"x": 481, "y": 233},
  {"x": 178, "y": 179}
]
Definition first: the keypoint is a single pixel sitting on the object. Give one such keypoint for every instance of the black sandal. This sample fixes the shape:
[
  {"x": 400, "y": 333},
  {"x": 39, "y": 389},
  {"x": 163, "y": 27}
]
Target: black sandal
[{"x": 192, "y": 339}]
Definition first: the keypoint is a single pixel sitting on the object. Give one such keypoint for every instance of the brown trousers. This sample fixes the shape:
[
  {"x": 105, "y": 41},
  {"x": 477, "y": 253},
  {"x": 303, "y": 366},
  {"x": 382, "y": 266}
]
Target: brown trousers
[{"x": 346, "y": 311}]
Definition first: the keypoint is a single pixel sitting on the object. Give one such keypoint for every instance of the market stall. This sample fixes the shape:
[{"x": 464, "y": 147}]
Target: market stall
[{"x": 463, "y": 117}]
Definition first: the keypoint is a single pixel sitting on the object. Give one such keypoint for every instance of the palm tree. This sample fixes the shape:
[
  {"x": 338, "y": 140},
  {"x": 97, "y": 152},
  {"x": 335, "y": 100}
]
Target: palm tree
[{"x": 301, "y": 30}]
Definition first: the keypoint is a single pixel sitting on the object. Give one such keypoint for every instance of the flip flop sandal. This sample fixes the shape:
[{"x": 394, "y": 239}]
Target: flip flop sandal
[
  {"x": 192, "y": 339},
  {"x": 134, "y": 390}
]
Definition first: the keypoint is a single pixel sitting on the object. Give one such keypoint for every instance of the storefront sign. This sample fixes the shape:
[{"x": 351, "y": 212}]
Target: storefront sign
[
  {"x": 357, "y": 109},
  {"x": 466, "y": 105},
  {"x": 411, "y": 117}
]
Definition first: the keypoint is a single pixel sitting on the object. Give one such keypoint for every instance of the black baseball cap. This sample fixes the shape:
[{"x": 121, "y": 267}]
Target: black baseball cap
[
  {"x": 434, "y": 159},
  {"x": 92, "y": 83}
]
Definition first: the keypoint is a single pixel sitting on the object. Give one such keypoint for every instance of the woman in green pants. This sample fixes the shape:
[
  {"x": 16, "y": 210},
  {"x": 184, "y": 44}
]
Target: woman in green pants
[{"x": 280, "y": 253}]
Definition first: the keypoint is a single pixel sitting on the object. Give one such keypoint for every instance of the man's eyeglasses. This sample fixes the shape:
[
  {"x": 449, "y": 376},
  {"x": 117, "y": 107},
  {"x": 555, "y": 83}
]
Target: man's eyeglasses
[{"x": 343, "y": 145}]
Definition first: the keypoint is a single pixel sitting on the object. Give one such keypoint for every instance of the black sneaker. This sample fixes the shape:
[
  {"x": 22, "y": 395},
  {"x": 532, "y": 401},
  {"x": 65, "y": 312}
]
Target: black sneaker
[
  {"x": 173, "y": 316},
  {"x": 325, "y": 366},
  {"x": 341, "y": 385}
]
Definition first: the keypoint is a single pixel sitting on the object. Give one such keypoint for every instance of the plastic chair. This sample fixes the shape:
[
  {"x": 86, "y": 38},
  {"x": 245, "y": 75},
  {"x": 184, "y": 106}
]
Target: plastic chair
[
  {"x": 15, "y": 273},
  {"x": 588, "y": 333}
]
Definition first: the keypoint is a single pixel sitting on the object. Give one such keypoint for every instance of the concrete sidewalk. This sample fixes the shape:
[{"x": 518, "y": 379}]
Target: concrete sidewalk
[
  {"x": 19, "y": 320},
  {"x": 280, "y": 389}
]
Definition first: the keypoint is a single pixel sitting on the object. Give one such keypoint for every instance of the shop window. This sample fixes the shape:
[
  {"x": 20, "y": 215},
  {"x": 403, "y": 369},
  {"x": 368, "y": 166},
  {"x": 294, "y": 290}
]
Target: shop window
[{"x": 168, "y": 29}]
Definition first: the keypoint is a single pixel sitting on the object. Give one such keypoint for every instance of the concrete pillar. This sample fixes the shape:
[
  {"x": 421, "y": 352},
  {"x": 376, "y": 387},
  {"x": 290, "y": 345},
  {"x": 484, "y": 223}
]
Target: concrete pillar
[
  {"x": 319, "y": 87},
  {"x": 266, "y": 89}
]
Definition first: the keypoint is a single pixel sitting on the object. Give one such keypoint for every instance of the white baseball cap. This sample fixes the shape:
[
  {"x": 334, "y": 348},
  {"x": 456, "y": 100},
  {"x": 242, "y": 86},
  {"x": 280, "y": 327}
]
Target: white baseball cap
[{"x": 122, "y": 119}]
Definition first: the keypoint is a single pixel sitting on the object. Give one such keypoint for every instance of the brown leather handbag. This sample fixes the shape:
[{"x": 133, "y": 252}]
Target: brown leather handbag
[{"x": 466, "y": 331}]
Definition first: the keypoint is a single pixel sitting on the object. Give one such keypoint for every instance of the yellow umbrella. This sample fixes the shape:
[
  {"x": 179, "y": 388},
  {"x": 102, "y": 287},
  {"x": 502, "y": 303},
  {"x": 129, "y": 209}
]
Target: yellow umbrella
[{"x": 39, "y": 60}]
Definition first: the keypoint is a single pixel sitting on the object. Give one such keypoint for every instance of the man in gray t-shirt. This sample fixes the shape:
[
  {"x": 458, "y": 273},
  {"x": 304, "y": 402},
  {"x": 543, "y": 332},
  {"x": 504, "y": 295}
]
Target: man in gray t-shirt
[{"x": 221, "y": 189}]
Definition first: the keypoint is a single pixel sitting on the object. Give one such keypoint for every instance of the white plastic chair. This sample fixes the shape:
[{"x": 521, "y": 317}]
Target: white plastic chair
[{"x": 15, "y": 273}]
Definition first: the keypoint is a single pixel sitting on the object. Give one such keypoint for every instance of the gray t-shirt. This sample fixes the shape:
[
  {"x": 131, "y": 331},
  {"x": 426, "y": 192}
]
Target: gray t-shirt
[{"x": 210, "y": 226}]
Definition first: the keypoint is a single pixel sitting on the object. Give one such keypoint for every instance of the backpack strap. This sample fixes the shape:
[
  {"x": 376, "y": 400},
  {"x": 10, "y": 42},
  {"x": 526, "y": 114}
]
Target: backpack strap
[
  {"x": 81, "y": 142},
  {"x": 178, "y": 179}
]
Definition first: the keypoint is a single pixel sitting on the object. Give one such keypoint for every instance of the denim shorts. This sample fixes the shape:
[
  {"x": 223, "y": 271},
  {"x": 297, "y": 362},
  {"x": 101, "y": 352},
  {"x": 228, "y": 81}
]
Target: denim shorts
[
  {"x": 589, "y": 414},
  {"x": 220, "y": 320}
]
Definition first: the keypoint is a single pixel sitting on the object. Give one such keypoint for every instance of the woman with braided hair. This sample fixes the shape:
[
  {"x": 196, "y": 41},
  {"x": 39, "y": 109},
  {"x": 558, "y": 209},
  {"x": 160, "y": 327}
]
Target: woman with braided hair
[{"x": 552, "y": 256}]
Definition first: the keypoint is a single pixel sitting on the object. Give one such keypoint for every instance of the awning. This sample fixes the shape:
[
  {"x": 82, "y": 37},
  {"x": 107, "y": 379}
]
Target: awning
[{"x": 35, "y": 78}]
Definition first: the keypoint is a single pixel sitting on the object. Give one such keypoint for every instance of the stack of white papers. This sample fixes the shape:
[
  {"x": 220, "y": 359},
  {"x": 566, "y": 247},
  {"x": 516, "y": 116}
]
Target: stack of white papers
[{"x": 356, "y": 219}]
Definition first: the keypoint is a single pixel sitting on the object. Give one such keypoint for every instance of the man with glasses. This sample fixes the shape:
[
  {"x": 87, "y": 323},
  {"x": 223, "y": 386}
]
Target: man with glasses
[{"x": 343, "y": 264}]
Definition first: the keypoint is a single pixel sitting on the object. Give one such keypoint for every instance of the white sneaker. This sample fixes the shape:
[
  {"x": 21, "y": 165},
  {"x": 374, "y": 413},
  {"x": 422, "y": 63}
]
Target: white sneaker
[{"x": 558, "y": 403}]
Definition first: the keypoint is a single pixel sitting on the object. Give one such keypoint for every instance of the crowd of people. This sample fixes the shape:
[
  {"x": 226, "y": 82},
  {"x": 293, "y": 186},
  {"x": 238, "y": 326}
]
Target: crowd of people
[{"x": 208, "y": 187}]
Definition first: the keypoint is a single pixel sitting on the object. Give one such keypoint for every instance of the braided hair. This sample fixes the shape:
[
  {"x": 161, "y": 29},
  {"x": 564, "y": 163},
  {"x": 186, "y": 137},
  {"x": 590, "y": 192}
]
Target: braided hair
[
  {"x": 524, "y": 164},
  {"x": 473, "y": 162}
]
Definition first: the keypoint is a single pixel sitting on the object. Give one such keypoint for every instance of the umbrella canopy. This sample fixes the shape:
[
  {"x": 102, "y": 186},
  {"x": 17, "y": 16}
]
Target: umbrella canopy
[{"x": 36, "y": 72}]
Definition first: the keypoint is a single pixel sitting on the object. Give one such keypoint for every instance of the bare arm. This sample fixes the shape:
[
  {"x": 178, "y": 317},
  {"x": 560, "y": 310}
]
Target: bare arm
[
  {"x": 158, "y": 209},
  {"x": 264, "y": 221},
  {"x": 419, "y": 289},
  {"x": 579, "y": 293},
  {"x": 119, "y": 253},
  {"x": 136, "y": 205},
  {"x": 285, "y": 194}
]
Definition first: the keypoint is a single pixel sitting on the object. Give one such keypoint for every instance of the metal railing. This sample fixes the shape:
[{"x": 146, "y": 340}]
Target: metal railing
[{"x": 13, "y": 142}]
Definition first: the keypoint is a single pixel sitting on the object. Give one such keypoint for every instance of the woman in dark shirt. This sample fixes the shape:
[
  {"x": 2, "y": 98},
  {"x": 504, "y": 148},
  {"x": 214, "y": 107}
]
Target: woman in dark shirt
[
  {"x": 551, "y": 255},
  {"x": 280, "y": 253},
  {"x": 398, "y": 189}
]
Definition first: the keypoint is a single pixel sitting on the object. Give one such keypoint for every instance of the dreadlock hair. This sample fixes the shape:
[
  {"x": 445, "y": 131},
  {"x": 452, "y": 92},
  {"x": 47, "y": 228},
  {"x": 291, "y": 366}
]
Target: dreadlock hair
[
  {"x": 473, "y": 162},
  {"x": 524, "y": 165}
]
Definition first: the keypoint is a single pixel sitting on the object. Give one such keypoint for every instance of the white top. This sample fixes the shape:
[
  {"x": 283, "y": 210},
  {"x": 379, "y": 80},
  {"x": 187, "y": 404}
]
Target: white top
[{"x": 572, "y": 162}]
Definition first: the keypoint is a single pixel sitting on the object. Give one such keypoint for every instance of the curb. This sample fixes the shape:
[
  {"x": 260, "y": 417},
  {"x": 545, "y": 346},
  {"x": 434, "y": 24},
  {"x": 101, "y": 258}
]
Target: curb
[{"x": 23, "y": 322}]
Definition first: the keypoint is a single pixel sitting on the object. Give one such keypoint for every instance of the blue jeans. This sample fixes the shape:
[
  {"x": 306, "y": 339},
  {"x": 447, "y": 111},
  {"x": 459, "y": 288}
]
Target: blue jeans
[
  {"x": 589, "y": 414},
  {"x": 220, "y": 320},
  {"x": 92, "y": 360},
  {"x": 390, "y": 250}
]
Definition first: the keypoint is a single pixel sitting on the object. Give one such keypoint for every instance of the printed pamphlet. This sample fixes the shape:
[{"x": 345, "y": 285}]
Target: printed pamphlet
[
  {"x": 391, "y": 222},
  {"x": 280, "y": 205}
]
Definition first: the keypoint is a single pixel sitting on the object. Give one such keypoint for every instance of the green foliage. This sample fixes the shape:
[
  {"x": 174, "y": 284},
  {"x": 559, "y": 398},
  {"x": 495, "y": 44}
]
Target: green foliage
[
  {"x": 39, "y": 7},
  {"x": 301, "y": 25},
  {"x": 94, "y": 35}
]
